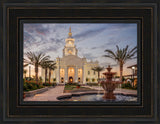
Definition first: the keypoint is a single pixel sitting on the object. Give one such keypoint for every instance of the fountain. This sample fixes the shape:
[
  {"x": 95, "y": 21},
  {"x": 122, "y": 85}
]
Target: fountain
[{"x": 109, "y": 85}]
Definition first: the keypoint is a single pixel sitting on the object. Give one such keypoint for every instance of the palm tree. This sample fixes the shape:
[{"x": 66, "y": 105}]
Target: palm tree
[
  {"x": 45, "y": 65},
  {"x": 36, "y": 59},
  {"x": 98, "y": 69},
  {"x": 24, "y": 70},
  {"x": 51, "y": 67},
  {"x": 121, "y": 56}
]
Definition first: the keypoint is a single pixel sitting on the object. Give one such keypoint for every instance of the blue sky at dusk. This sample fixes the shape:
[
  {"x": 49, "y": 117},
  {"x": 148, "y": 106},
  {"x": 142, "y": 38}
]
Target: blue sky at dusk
[{"x": 90, "y": 39}]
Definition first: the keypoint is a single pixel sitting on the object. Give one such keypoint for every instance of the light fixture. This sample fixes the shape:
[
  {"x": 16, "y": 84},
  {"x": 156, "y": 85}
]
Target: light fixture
[{"x": 133, "y": 67}]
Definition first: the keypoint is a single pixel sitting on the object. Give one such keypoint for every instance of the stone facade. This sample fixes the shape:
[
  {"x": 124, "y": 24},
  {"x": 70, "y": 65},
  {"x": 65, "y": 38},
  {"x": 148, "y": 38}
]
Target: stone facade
[{"x": 71, "y": 68}]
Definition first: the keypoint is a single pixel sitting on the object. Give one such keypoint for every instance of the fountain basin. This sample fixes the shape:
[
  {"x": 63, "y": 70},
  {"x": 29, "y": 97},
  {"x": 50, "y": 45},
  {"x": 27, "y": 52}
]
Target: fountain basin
[{"x": 119, "y": 97}]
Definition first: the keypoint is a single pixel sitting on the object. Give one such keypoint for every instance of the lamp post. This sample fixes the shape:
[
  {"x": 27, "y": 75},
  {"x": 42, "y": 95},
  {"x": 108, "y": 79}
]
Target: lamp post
[{"x": 133, "y": 69}]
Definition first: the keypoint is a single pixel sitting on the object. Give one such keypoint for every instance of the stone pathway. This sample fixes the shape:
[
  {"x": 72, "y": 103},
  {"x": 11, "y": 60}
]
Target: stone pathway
[
  {"x": 53, "y": 93},
  {"x": 49, "y": 95}
]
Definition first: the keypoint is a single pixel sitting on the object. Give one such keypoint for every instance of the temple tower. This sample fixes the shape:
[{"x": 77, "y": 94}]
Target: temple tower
[{"x": 69, "y": 48}]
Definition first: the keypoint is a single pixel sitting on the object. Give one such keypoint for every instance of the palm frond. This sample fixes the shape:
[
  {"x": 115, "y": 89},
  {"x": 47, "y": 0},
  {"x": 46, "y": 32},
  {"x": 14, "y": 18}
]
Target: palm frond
[
  {"x": 25, "y": 65},
  {"x": 110, "y": 52},
  {"x": 135, "y": 48},
  {"x": 98, "y": 68},
  {"x": 109, "y": 56}
]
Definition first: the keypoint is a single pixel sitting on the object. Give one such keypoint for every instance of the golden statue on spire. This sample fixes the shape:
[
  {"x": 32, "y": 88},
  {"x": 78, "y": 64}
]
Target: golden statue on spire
[{"x": 70, "y": 33}]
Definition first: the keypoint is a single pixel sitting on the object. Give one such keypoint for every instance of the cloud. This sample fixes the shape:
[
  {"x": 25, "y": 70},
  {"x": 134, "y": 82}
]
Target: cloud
[
  {"x": 50, "y": 38},
  {"x": 38, "y": 28},
  {"x": 89, "y": 33},
  {"x": 89, "y": 56},
  {"x": 57, "y": 41},
  {"x": 93, "y": 48}
]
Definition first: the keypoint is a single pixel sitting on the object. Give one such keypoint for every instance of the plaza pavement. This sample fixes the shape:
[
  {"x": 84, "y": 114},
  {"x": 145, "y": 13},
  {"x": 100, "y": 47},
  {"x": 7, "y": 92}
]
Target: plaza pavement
[
  {"x": 49, "y": 95},
  {"x": 53, "y": 93}
]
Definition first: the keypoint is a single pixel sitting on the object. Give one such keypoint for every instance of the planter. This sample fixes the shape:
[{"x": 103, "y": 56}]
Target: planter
[
  {"x": 67, "y": 91},
  {"x": 78, "y": 86},
  {"x": 34, "y": 92}
]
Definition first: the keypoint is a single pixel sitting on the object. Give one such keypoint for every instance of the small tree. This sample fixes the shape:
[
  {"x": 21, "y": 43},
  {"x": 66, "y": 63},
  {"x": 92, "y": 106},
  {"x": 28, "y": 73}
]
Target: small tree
[
  {"x": 52, "y": 66},
  {"x": 45, "y": 65},
  {"x": 98, "y": 69}
]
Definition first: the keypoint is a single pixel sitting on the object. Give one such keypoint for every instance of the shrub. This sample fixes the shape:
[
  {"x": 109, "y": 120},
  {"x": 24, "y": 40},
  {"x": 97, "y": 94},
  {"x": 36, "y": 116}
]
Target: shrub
[
  {"x": 31, "y": 86},
  {"x": 47, "y": 84},
  {"x": 127, "y": 86},
  {"x": 92, "y": 84},
  {"x": 54, "y": 84},
  {"x": 40, "y": 78},
  {"x": 123, "y": 79},
  {"x": 73, "y": 84},
  {"x": 135, "y": 87},
  {"x": 25, "y": 86},
  {"x": 28, "y": 78}
]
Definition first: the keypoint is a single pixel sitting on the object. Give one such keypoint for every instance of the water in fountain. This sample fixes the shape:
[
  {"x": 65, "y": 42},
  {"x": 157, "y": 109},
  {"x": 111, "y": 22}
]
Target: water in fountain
[
  {"x": 99, "y": 89},
  {"x": 93, "y": 97}
]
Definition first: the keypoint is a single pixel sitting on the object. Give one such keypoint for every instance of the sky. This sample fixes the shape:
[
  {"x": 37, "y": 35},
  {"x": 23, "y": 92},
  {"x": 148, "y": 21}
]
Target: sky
[{"x": 91, "y": 40}]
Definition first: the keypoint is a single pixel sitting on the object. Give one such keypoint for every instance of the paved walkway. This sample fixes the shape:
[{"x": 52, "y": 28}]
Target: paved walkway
[
  {"x": 49, "y": 95},
  {"x": 53, "y": 93}
]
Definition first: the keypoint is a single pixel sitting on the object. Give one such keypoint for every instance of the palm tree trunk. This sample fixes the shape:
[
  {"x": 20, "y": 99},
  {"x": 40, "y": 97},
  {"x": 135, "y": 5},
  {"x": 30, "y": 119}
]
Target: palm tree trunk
[
  {"x": 49, "y": 76},
  {"x": 45, "y": 75},
  {"x": 98, "y": 76},
  {"x": 36, "y": 72},
  {"x": 121, "y": 71}
]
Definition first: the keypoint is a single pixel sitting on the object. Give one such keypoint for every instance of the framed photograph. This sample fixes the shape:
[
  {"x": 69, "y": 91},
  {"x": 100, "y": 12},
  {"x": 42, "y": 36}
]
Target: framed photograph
[
  {"x": 74, "y": 70},
  {"x": 79, "y": 62}
]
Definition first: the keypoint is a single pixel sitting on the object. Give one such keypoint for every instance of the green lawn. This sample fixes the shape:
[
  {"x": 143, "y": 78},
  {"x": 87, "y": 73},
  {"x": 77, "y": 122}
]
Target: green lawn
[{"x": 73, "y": 88}]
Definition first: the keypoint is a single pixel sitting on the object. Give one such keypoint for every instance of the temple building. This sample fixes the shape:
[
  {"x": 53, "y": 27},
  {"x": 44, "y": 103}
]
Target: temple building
[{"x": 71, "y": 68}]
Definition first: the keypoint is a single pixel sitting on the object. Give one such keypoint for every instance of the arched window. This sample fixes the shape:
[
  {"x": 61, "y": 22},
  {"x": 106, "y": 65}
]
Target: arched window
[{"x": 88, "y": 72}]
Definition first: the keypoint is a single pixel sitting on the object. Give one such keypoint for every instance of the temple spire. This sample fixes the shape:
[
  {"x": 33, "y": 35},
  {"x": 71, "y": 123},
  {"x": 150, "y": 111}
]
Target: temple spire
[{"x": 70, "y": 33}]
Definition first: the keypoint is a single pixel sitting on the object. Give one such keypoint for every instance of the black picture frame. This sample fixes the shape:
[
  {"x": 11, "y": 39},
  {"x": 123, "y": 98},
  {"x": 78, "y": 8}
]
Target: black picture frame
[{"x": 145, "y": 13}]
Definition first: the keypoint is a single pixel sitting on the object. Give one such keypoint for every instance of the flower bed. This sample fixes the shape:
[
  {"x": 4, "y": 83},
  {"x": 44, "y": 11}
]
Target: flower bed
[
  {"x": 75, "y": 88},
  {"x": 92, "y": 84},
  {"x": 29, "y": 86}
]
